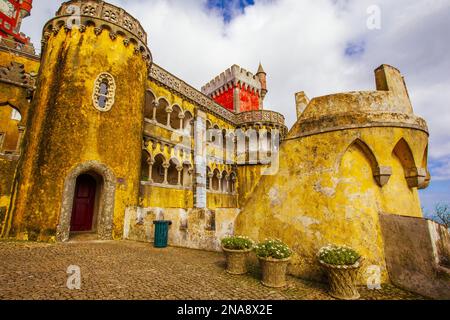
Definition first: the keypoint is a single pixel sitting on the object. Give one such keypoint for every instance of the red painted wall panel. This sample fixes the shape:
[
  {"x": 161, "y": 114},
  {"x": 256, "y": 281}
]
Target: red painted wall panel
[
  {"x": 226, "y": 99},
  {"x": 249, "y": 100}
]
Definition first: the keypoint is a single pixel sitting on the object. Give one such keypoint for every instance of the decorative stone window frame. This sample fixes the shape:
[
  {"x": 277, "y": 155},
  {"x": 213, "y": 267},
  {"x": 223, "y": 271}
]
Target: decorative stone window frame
[{"x": 110, "y": 96}]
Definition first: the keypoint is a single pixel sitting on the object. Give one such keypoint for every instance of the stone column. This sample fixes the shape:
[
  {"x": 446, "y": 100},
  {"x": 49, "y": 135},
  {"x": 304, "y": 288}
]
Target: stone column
[
  {"x": 200, "y": 160},
  {"x": 227, "y": 178},
  {"x": 150, "y": 170},
  {"x": 155, "y": 106},
  {"x": 169, "y": 112},
  {"x": 166, "y": 168},
  {"x": 19, "y": 140},
  {"x": 210, "y": 176},
  {"x": 181, "y": 117},
  {"x": 179, "y": 169},
  {"x": 219, "y": 177}
]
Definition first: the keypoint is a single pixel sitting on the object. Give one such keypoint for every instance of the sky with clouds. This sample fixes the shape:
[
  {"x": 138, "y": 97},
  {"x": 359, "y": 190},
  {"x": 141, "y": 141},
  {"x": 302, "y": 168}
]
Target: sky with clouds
[{"x": 316, "y": 46}]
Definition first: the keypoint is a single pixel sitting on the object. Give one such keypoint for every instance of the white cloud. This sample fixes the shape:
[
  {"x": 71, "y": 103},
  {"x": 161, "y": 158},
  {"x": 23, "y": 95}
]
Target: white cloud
[
  {"x": 441, "y": 170},
  {"x": 301, "y": 44}
]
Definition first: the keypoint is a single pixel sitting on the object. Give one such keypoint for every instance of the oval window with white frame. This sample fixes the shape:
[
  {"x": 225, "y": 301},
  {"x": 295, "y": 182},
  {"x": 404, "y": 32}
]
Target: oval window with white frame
[{"x": 104, "y": 92}]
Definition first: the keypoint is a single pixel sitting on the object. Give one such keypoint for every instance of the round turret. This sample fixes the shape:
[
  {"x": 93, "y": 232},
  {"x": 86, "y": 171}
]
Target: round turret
[
  {"x": 86, "y": 129},
  {"x": 26, "y": 7}
]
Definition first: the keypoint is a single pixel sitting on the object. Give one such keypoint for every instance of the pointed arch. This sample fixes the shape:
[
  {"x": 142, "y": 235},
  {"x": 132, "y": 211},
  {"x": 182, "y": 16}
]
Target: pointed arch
[
  {"x": 11, "y": 129},
  {"x": 161, "y": 111},
  {"x": 158, "y": 168},
  {"x": 145, "y": 165},
  {"x": 105, "y": 214},
  {"x": 224, "y": 182},
  {"x": 150, "y": 99},
  {"x": 405, "y": 155},
  {"x": 414, "y": 176},
  {"x": 425, "y": 158},
  {"x": 426, "y": 181},
  {"x": 367, "y": 151},
  {"x": 188, "y": 123},
  {"x": 381, "y": 174},
  {"x": 186, "y": 176},
  {"x": 172, "y": 171},
  {"x": 175, "y": 117}
]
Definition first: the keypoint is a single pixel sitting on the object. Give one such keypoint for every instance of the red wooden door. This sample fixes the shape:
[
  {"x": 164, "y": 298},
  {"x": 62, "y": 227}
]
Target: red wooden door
[{"x": 83, "y": 204}]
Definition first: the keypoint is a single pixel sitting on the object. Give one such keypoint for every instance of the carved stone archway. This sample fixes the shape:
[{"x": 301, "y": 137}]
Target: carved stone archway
[{"x": 106, "y": 208}]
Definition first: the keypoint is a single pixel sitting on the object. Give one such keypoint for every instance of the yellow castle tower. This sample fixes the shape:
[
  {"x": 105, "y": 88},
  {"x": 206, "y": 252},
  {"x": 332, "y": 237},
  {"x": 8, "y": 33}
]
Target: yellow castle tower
[{"x": 83, "y": 145}]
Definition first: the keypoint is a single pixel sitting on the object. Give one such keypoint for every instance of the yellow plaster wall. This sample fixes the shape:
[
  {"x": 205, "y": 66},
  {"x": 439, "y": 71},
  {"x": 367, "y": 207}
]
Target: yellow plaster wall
[
  {"x": 31, "y": 65},
  {"x": 67, "y": 130},
  {"x": 160, "y": 197},
  {"x": 12, "y": 96},
  {"x": 9, "y": 128},
  {"x": 325, "y": 193},
  {"x": 221, "y": 200},
  {"x": 172, "y": 99},
  {"x": 7, "y": 170},
  {"x": 154, "y": 196}
]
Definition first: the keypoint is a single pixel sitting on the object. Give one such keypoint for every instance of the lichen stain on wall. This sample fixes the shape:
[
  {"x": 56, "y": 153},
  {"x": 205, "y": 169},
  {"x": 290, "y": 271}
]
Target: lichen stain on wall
[
  {"x": 325, "y": 193},
  {"x": 190, "y": 228},
  {"x": 67, "y": 129}
]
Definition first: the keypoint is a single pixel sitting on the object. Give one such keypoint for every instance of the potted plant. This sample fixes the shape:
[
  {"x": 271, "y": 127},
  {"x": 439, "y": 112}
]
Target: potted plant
[
  {"x": 236, "y": 250},
  {"x": 274, "y": 257},
  {"x": 342, "y": 264}
]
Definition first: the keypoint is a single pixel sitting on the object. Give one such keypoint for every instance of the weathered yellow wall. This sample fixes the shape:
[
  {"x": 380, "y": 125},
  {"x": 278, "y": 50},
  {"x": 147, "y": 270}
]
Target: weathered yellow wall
[
  {"x": 15, "y": 96},
  {"x": 31, "y": 64},
  {"x": 171, "y": 98},
  {"x": 325, "y": 193},
  {"x": 153, "y": 196},
  {"x": 248, "y": 179},
  {"x": 9, "y": 128},
  {"x": 221, "y": 200},
  {"x": 67, "y": 130},
  {"x": 12, "y": 96},
  {"x": 189, "y": 227},
  {"x": 7, "y": 169}
]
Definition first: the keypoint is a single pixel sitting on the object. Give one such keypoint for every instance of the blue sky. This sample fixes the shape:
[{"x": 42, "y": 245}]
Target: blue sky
[
  {"x": 439, "y": 191},
  {"x": 229, "y": 8},
  {"x": 317, "y": 46}
]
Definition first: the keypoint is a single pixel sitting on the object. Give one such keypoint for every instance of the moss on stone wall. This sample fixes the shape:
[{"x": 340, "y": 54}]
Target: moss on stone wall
[
  {"x": 67, "y": 130},
  {"x": 31, "y": 64},
  {"x": 7, "y": 170},
  {"x": 325, "y": 192}
]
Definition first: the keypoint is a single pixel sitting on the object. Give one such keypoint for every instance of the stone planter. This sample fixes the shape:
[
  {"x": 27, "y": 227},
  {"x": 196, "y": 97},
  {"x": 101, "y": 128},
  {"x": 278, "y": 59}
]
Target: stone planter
[
  {"x": 342, "y": 280},
  {"x": 236, "y": 260},
  {"x": 274, "y": 272}
]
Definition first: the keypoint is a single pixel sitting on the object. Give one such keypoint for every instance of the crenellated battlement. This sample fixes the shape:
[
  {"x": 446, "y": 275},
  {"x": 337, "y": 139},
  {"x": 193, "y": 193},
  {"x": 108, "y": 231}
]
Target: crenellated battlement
[
  {"x": 233, "y": 76},
  {"x": 101, "y": 16}
]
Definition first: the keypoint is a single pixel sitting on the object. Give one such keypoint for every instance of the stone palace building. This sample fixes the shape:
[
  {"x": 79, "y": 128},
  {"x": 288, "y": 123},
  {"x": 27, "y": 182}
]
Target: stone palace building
[{"x": 95, "y": 137}]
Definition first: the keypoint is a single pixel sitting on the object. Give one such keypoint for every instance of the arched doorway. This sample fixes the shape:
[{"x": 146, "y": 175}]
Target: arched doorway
[
  {"x": 84, "y": 204},
  {"x": 102, "y": 222}
]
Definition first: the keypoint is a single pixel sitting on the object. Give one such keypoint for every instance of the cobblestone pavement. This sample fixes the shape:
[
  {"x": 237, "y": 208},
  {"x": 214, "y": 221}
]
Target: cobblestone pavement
[{"x": 131, "y": 270}]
